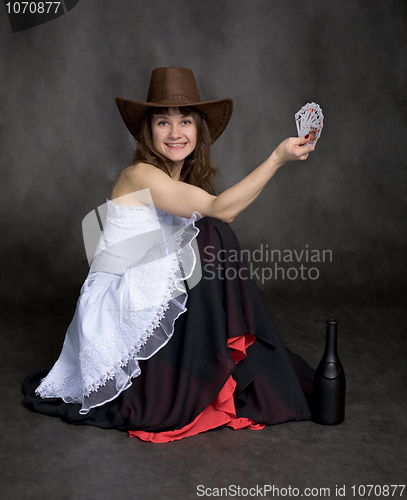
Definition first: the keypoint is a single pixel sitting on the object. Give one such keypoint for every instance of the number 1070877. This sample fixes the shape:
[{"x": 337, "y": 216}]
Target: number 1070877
[
  {"x": 33, "y": 7},
  {"x": 372, "y": 490}
]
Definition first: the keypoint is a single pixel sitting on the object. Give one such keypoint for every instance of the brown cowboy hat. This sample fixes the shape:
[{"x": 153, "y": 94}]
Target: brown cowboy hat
[{"x": 175, "y": 87}]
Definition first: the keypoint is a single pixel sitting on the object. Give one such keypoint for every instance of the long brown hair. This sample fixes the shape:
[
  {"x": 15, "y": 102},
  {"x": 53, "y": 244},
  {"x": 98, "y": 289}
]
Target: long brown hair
[{"x": 198, "y": 168}]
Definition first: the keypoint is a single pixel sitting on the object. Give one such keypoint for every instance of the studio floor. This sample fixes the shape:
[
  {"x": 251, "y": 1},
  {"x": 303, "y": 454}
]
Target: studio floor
[{"x": 44, "y": 458}]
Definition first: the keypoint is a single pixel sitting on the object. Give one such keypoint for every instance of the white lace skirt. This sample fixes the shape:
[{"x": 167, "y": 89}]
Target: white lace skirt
[{"x": 127, "y": 307}]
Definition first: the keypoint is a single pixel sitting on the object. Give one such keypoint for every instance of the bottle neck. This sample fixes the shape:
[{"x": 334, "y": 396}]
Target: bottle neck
[{"x": 331, "y": 352}]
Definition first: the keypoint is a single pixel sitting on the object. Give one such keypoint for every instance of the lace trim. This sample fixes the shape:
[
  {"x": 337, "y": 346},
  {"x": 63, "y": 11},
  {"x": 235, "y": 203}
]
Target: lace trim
[
  {"x": 119, "y": 207},
  {"x": 63, "y": 379},
  {"x": 118, "y": 213}
]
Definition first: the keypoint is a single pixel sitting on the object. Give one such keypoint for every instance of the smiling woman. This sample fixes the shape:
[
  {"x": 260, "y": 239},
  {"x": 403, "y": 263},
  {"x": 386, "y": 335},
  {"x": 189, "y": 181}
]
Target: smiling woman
[
  {"x": 174, "y": 136},
  {"x": 160, "y": 346}
]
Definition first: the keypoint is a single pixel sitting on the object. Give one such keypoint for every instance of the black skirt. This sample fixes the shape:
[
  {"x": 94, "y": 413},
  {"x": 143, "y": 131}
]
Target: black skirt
[{"x": 273, "y": 385}]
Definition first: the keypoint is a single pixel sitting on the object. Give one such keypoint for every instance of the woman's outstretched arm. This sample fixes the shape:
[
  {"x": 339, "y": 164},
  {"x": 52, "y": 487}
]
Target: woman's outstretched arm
[
  {"x": 183, "y": 199},
  {"x": 235, "y": 199}
]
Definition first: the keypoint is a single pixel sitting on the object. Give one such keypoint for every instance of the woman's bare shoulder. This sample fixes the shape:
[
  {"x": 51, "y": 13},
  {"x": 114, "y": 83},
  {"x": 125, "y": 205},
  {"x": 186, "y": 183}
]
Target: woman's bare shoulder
[
  {"x": 131, "y": 179},
  {"x": 133, "y": 171}
]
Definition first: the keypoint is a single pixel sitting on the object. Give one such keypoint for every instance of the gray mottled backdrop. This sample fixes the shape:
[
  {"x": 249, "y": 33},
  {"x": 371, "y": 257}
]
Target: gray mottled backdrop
[{"x": 62, "y": 138}]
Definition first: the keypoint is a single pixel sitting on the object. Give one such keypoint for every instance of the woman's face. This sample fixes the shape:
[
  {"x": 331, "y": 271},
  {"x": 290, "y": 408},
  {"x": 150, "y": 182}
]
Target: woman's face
[{"x": 174, "y": 134}]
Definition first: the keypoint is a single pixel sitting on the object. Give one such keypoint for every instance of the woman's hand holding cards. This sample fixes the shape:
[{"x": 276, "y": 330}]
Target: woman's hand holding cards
[
  {"x": 310, "y": 120},
  {"x": 292, "y": 149}
]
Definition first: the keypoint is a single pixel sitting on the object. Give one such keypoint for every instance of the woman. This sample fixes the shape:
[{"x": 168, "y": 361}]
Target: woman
[{"x": 170, "y": 337}]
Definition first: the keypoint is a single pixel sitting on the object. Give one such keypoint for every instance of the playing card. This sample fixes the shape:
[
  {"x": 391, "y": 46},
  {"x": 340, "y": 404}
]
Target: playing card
[{"x": 310, "y": 120}]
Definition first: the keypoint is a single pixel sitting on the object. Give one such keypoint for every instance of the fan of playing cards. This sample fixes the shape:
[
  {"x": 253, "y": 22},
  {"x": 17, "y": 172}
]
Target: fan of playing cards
[{"x": 310, "y": 120}]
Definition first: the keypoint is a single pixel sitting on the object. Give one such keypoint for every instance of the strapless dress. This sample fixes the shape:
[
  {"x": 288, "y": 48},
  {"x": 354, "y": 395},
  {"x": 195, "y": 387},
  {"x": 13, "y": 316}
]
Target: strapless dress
[{"x": 170, "y": 337}]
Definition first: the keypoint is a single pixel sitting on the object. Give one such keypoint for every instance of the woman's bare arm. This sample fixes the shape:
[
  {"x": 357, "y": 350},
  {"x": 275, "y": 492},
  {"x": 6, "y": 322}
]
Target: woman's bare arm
[{"x": 183, "y": 199}]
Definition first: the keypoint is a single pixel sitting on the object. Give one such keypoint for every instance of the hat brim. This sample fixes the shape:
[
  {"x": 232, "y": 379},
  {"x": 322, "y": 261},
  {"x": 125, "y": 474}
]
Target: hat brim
[{"x": 217, "y": 114}]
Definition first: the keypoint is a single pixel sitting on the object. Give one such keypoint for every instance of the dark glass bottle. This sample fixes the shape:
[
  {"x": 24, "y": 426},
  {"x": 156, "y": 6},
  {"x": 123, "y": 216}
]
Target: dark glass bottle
[{"x": 329, "y": 383}]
